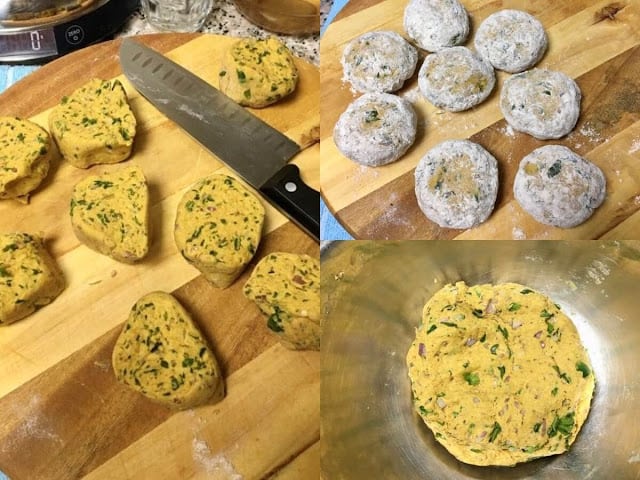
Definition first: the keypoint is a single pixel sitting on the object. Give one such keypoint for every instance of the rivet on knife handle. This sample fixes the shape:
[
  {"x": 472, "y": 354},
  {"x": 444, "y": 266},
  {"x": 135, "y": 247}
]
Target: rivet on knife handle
[{"x": 295, "y": 199}]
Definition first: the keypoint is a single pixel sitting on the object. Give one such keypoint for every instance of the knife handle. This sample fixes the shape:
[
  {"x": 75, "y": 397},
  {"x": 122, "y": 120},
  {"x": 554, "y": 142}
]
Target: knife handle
[{"x": 295, "y": 198}]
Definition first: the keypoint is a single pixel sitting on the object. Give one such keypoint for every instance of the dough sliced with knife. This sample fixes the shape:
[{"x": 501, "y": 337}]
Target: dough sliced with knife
[
  {"x": 29, "y": 276},
  {"x": 162, "y": 354},
  {"x": 258, "y": 72},
  {"x": 26, "y": 154},
  {"x": 94, "y": 124},
  {"x": 218, "y": 228},
  {"x": 286, "y": 288},
  {"x": 110, "y": 213}
]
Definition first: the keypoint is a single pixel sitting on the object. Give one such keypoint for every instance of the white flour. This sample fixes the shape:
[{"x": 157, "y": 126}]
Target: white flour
[{"x": 217, "y": 466}]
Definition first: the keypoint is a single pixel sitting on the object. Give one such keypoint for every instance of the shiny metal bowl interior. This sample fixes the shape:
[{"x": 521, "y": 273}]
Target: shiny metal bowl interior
[{"x": 373, "y": 294}]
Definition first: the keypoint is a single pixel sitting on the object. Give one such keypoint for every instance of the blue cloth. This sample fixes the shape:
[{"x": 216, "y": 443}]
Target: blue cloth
[{"x": 330, "y": 229}]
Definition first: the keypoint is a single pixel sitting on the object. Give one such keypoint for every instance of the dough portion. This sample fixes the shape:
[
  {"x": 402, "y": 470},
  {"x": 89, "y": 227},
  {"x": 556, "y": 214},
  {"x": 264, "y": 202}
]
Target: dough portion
[
  {"x": 29, "y": 276},
  {"x": 456, "y": 79},
  {"x": 542, "y": 103},
  {"x": 378, "y": 61},
  {"x": 286, "y": 288},
  {"x": 162, "y": 354},
  {"x": 110, "y": 213},
  {"x": 499, "y": 374},
  {"x": 218, "y": 228},
  {"x": 511, "y": 40},
  {"x": 258, "y": 72},
  {"x": 558, "y": 187},
  {"x": 376, "y": 129},
  {"x": 25, "y": 156},
  {"x": 456, "y": 184},
  {"x": 94, "y": 124},
  {"x": 436, "y": 24}
]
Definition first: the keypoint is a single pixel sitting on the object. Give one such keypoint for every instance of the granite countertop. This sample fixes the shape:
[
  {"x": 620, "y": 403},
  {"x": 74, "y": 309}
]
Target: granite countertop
[{"x": 225, "y": 19}]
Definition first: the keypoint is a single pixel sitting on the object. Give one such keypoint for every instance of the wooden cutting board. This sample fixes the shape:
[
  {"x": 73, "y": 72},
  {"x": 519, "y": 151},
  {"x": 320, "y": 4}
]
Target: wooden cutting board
[
  {"x": 595, "y": 42},
  {"x": 62, "y": 414}
]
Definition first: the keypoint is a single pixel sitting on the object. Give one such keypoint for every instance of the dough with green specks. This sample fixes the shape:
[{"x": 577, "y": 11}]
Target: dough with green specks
[
  {"x": 286, "y": 288},
  {"x": 162, "y": 354},
  {"x": 258, "y": 72},
  {"x": 25, "y": 156},
  {"x": 218, "y": 228},
  {"x": 110, "y": 213},
  {"x": 499, "y": 374},
  {"x": 29, "y": 276},
  {"x": 94, "y": 124}
]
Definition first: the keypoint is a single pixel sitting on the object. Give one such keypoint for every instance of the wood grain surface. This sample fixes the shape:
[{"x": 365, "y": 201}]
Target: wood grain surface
[
  {"x": 595, "y": 42},
  {"x": 62, "y": 414}
]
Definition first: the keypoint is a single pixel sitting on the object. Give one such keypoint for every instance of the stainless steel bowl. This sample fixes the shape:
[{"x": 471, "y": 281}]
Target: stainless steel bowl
[{"x": 373, "y": 294}]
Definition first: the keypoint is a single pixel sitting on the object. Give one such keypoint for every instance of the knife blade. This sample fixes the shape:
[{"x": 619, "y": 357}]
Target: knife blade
[{"x": 252, "y": 148}]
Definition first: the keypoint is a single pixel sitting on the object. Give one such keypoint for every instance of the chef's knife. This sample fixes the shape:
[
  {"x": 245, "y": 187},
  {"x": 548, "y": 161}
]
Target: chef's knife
[{"x": 253, "y": 149}]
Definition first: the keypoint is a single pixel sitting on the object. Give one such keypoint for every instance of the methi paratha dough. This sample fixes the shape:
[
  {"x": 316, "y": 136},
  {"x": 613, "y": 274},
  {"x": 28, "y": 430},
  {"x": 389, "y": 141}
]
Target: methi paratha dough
[
  {"x": 498, "y": 374},
  {"x": 378, "y": 61},
  {"x": 456, "y": 184},
  {"x": 456, "y": 79},
  {"x": 376, "y": 129},
  {"x": 542, "y": 103},
  {"x": 511, "y": 40},
  {"x": 436, "y": 24},
  {"x": 558, "y": 187}
]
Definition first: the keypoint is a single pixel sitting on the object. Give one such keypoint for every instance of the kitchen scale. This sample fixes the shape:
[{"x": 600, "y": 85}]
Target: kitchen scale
[{"x": 37, "y": 31}]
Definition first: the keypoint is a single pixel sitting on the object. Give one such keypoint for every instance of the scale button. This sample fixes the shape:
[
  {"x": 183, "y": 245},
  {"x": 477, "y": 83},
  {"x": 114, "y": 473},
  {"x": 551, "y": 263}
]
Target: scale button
[{"x": 74, "y": 34}]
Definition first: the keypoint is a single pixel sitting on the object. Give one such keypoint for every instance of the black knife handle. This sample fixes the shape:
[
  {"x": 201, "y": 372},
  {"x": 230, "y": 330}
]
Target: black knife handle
[{"x": 295, "y": 198}]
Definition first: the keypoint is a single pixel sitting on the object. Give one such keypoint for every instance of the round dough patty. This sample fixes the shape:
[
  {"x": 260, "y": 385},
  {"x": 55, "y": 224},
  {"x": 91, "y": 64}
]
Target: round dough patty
[
  {"x": 457, "y": 184},
  {"x": 378, "y": 62},
  {"x": 542, "y": 103},
  {"x": 436, "y": 24},
  {"x": 511, "y": 40},
  {"x": 558, "y": 187},
  {"x": 456, "y": 79},
  {"x": 258, "y": 72},
  {"x": 499, "y": 374},
  {"x": 376, "y": 129}
]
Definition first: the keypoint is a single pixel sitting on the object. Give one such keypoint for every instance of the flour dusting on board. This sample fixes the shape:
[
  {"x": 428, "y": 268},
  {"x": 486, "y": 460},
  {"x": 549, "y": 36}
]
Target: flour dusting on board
[
  {"x": 635, "y": 146},
  {"x": 34, "y": 425},
  {"x": 217, "y": 466}
]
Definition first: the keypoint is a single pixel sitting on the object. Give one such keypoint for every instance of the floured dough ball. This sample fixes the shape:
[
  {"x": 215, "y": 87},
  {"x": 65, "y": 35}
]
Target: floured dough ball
[
  {"x": 286, "y": 288},
  {"x": 542, "y": 103},
  {"x": 558, "y": 187},
  {"x": 378, "y": 62},
  {"x": 110, "y": 213},
  {"x": 94, "y": 124},
  {"x": 257, "y": 73},
  {"x": 511, "y": 40},
  {"x": 436, "y": 24},
  {"x": 25, "y": 155},
  {"x": 29, "y": 276},
  {"x": 456, "y": 79},
  {"x": 499, "y": 374},
  {"x": 218, "y": 228},
  {"x": 162, "y": 354},
  {"x": 376, "y": 129},
  {"x": 456, "y": 184}
]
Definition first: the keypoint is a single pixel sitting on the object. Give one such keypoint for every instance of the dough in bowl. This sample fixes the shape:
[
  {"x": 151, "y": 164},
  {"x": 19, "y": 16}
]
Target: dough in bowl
[{"x": 499, "y": 374}]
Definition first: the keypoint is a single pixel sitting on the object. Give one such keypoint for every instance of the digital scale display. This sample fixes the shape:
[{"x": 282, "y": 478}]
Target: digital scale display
[{"x": 25, "y": 44}]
